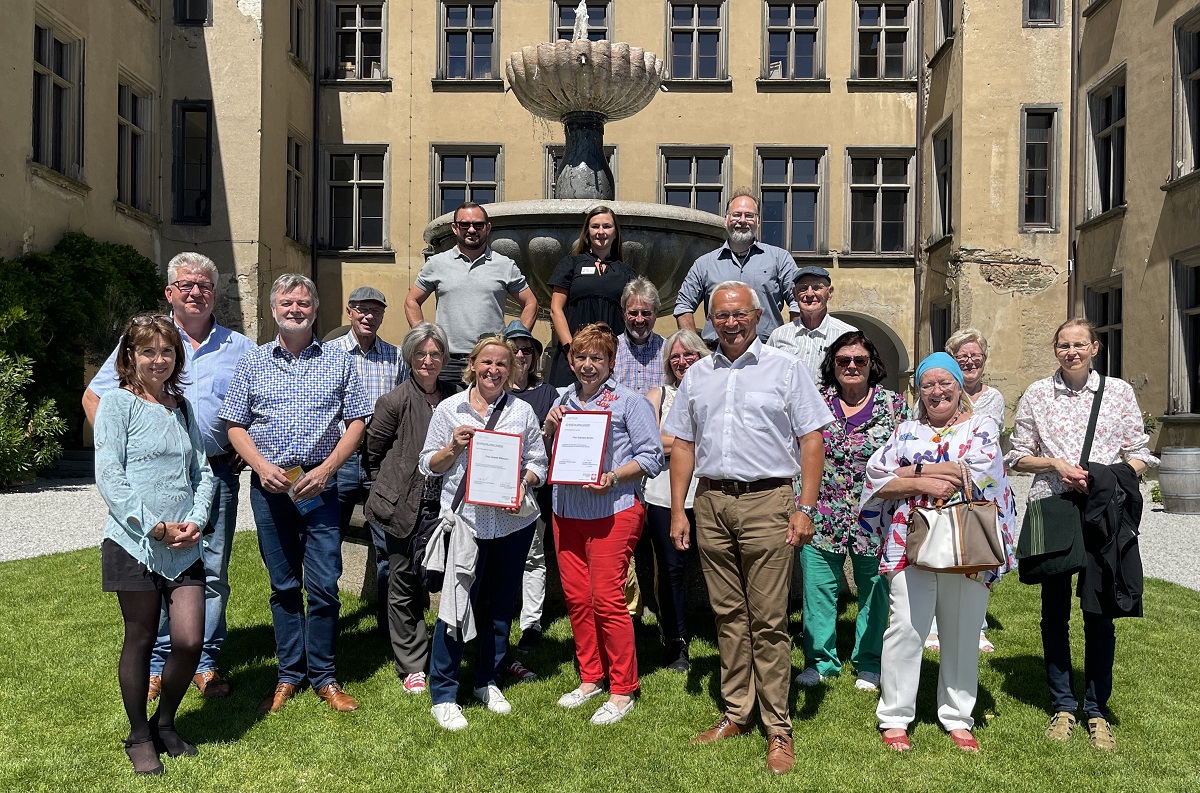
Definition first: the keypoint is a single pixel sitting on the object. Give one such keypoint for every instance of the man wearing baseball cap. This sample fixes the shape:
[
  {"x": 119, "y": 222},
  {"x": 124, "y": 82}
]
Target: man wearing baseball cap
[{"x": 812, "y": 332}]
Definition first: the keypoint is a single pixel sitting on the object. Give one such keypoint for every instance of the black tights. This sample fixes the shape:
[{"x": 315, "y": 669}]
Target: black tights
[{"x": 140, "y": 610}]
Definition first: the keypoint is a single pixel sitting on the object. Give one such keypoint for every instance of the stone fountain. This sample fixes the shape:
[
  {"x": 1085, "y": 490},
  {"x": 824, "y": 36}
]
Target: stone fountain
[{"x": 584, "y": 84}]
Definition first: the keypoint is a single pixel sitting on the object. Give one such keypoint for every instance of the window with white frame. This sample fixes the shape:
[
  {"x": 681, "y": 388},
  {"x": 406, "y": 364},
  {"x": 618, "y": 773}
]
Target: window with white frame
[
  {"x": 1184, "y": 345},
  {"x": 191, "y": 12},
  {"x": 884, "y": 41},
  {"x": 1039, "y": 167},
  {"x": 695, "y": 178},
  {"x": 880, "y": 184},
  {"x": 469, "y": 41},
  {"x": 358, "y": 35},
  {"x": 193, "y": 163},
  {"x": 1106, "y": 185},
  {"x": 794, "y": 46},
  {"x": 465, "y": 173},
  {"x": 791, "y": 215},
  {"x": 944, "y": 29},
  {"x": 554, "y": 155},
  {"x": 299, "y": 34},
  {"x": 1102, "y": 307},
  {"x": 1187, "y": 95},
  {"x": 134, "y": 119},
  {"x": 296, "y": 219},
  {"x": 697, "y": 40},
  {"x": 356, "y": 182},
  {"x": 1041, "y": 12},
  {"x": 943, "y": 181},
  {"x": 599, "y": 20},
  {"x": 58, "y": 100}
]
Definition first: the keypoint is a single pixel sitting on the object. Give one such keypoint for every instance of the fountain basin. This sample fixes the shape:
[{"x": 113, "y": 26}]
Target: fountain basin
[{"x": 612, "y": 79}]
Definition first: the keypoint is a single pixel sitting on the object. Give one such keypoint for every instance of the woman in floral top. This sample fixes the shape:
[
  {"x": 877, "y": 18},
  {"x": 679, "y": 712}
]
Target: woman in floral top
[
  {"x": 923, "y": 463},
  {"x": 865, "y": 415}
]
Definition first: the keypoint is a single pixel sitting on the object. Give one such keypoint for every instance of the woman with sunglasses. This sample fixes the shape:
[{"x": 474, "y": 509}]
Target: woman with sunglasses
[
  {"x": 865, "y": 415},
  {"x": 587, "y": 287}
]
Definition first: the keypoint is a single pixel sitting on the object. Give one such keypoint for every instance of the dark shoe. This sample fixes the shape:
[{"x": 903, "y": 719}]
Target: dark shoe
[
  {"x": 780, "y": 754},
  {"x": 283, "y": 692},
  {"x": 144, "y": 757},
  {"x": 529, "y": 639},
  {"x": 155, "y": 688},
  {"x": 725, "y": 728},
  {"x": 338, "y": 699},
  {"x": 211, "y": 684},
  {"x": 167, "y": 741},
  {"x": 678, "y": 653}
]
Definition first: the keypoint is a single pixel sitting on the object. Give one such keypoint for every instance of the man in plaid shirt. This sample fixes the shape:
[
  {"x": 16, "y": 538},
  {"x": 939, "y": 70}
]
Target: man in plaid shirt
[{"x": 639, "y": 348}]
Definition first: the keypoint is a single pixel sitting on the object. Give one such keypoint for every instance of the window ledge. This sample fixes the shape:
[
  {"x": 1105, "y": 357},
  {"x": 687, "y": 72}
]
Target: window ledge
[
  {"x": 946, "y": 45},
  {"x": 882, "y": 83},
  {"x": 1041, "y": 23},
  {"x": 299, "y": 64},
  {"x": 145, "y": 8},
  {"x": 875, "y": 259},
  {"x": 682, "y": 84},
  {"x": 1093, "y": 7},
  {"x": 940, "y": 242},
  {"x": 136, "y": 214},
  {"x": 1180, "y": 418},
  {"x": 1102, "y": 218},
  {"x": 303, "y": 247},
  {"x": 1038, "y": 230},
  {"x": 1180, "y": 182},
  {"x": 56, "y": 178},
  {"x": 460, "y": 84},
  {"x": 358, "y": 84},
  {"x": 377, "y": 254},
  {"x": 815, "y": 84}
]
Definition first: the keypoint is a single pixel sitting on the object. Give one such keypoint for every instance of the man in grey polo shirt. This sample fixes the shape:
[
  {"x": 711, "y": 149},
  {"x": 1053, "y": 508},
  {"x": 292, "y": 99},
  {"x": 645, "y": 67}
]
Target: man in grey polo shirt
[
  {"x": 769, "y": 271},
  {"x": 471, "y": 282},
  {"x": 813, "y": 330}
]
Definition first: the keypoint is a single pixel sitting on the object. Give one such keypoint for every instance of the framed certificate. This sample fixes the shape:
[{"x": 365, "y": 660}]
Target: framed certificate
[
  {"x": 579, "y": 447},
  {"x": 494, "y": 469}
]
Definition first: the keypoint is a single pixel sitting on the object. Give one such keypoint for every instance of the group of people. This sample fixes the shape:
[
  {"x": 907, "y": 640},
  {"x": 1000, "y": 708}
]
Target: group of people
[{"x": 763, "y": 442}]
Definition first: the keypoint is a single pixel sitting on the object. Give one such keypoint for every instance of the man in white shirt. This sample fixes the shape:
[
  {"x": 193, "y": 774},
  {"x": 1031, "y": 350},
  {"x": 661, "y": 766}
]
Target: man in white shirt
[
  {"x": 811, "y": 333},
  {"x": 746, "y": 420}
]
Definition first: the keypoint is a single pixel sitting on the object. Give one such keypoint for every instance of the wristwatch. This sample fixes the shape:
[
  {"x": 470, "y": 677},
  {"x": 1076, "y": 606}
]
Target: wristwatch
[
  {"x": 807, "y": 510},
  {"x": 917, "y": 468}
]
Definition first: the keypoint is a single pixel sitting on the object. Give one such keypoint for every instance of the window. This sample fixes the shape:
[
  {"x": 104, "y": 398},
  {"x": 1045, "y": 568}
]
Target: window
[
  {"x": 134, "y": 118},
  {"x": 193, "y": 162},
  {"x": 939, "y": 324},
  {"x": 296, "y": 220},
  {"x": 793, "y": 49},
  {"x": 943, "y": 182},
  {"x": 358, "y": 41},
  {"x": 554, "y": 155},
  {"x": 1039, "y": 177},
  {"x": 791, "y": 215},
  {"x": 1187, "y": 95},
  {"x": 300, "y": 37},
  {"x": 697, "y": 179},
  {"x": 883, "y": 43},
  {"x": 356, "y": 182},
  {"x": 1041, "y": 12},
  {"x": 1184, "y": 361},
  {"x": 1102, "y": 305},
  {"x": 469, "y": 42},
  {"x": 191, "y": 12},
  {"x": 58, "y": 101},
  {"x": 944, "y": 31},
  {"x": 697, "y": 43},
  {"x": 879, "y": 215},
  {"x": 599, "y": 14},
  {"x": 1107, "y": 165},
  {"x": 466, "y": 175}
]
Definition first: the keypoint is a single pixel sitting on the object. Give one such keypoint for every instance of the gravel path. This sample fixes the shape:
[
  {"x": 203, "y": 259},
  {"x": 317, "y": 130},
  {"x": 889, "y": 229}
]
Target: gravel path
[{"x": 54, "y": 515}]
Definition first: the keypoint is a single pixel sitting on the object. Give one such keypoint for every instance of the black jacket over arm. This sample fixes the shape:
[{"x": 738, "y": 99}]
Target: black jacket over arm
[{"x": 1111, "y": 583}]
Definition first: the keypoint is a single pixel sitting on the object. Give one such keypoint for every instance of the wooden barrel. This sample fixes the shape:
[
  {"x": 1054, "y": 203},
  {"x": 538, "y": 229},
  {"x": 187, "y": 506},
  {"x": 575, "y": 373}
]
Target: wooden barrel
[{"x": 1179, "y": 479}]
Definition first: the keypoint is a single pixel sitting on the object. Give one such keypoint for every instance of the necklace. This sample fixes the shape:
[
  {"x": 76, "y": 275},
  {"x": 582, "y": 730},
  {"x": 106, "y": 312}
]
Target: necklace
[{"x": 946, "y": 426}]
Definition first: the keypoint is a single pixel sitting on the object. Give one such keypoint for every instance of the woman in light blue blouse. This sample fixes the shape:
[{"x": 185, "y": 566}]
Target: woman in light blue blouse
[{"x": 154, "y": 477}]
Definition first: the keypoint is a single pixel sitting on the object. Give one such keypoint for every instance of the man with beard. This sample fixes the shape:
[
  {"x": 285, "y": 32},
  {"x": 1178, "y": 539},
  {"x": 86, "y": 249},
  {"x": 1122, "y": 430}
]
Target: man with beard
[
  {"x": 769, "y": 271},
  {"x": 638, "y": 364},
  {"x": 808, "y": 335},
  {"x": 285, "y": 408}
]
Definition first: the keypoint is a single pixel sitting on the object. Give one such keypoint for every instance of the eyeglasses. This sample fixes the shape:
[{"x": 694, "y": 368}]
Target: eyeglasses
[
  {"x": 737, "y": 316},
  {"x": 857, "y": 360},
  {"x": 743, "y": 215},
  {"x": 368, "y": 311},
  {"x": 977, "y": 358},
  {"x": 205, "y": 287},
  {"x": 1078, "y": 345},
  {"x": 478, "y": 225},
  {"x": 802, "y": 288},
  {"x": 944, "y": 385},
  {"x": 632, "y": 313},
  {"x": 433, "y": 356},
  {"x": 684, "y": 356}
]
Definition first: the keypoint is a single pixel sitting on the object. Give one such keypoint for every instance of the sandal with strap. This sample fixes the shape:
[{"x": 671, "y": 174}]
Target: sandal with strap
[
  {"x": 1062, "y": 724},
  {"x": 897, "y": 743},
  {"x": 965, "y": 742},
  {"x": 1100, "y": 734},
  {"x": 144, "y": 757}
]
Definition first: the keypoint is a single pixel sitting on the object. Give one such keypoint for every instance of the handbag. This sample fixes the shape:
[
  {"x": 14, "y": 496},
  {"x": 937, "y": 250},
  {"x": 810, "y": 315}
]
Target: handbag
[
  {"x": 1051, "y": 541},
  {"x": 430, "y": 523},
  {"x": 963, "y": 537}
]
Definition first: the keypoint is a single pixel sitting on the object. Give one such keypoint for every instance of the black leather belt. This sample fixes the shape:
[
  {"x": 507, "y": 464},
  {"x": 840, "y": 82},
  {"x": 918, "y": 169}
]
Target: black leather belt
[
  {"x": 220, "y": 458},
  {"x": 732, "y": 487}
]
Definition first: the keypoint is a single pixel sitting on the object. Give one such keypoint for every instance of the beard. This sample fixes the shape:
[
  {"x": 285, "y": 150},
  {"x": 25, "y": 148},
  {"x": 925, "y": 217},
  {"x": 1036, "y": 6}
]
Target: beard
[
  {"x": 638, "y": 336},
  {"x": 290, "y": 326},
  {"x": 740, "y": 237}
]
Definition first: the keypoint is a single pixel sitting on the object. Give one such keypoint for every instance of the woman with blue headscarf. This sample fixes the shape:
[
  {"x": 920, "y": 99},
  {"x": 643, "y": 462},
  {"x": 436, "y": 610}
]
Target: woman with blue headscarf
[{"x": 924, "y": 464}]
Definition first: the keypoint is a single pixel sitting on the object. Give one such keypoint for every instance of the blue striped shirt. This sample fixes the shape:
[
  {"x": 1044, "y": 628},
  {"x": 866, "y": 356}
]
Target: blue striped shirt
[{"x": 633, "y": 435}]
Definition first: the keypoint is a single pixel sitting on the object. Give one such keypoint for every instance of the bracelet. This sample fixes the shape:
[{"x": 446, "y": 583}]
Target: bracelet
[{"x": 616, "y": 480}]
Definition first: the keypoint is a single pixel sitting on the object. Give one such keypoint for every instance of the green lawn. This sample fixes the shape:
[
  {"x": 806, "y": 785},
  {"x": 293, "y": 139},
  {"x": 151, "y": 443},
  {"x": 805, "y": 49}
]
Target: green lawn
[{"x": 62, "y": 720}]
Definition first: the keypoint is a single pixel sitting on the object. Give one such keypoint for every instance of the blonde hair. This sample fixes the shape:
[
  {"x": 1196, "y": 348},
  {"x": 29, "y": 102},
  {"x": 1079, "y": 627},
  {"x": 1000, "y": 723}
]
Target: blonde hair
[
  {"x": 691, "y": 341},
  {"x": 488, "y": 341},
  {"x": 961, "y": 337},
  {"x": 1076, "y": 322}
]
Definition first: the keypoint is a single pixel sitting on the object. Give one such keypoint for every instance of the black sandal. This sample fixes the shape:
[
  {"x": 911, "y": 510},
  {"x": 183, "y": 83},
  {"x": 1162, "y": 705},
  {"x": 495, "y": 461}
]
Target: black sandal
[
  {"x": 144, "y": 756},
  {"x": 168, "y": 741}
]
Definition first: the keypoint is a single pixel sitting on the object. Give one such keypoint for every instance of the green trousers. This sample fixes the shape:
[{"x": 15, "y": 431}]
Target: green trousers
[{"x": 822, "y": 582}]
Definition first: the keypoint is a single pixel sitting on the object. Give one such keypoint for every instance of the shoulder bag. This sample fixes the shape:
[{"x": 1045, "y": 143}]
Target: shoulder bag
[{"x": 956, "y": 538}]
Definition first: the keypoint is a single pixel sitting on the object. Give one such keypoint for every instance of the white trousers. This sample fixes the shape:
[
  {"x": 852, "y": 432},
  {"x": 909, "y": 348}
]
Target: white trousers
[
  {"x": 960, "y": 604},
  {"x": 533, "y": 581}
]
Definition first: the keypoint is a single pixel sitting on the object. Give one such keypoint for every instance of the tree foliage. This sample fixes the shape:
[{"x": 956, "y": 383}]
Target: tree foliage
[{"x": 29, "y": 437}]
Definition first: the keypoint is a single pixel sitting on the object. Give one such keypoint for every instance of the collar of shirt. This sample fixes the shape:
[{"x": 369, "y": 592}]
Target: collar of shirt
[
  {"x": 216, "y": 335},
  {"x": 277, "y": 348},
  {"x": 725, "y": 252},
  {"x": 821, "y": 330},
  {"x": 1093, "y": 382},
  {"x": 465, "y": 405},
  {"x": 751, "y": 355},
  {"x": 573, "y": 394},
  {"x": 486, "y": 256}
]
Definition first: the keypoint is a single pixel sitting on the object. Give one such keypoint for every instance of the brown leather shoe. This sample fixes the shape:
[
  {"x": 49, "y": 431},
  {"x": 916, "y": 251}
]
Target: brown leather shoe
[
  {"x": 780, "y": 754},
  {"x": 283, "y": 692},
  {"x": 211, "y": 684},
  {"x": 155, "y": 688},
  {"x": 338, "y": 699},
  {"x": 725, "y": 728}
]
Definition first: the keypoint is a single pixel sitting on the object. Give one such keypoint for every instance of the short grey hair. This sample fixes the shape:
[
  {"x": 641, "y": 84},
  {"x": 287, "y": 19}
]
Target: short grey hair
[
  {"x": 190, "y": 260},
  {"x": 690, "y": 340},
  {"x": 643, "y": 289},
  {"x": 289, "y": 281},
  {"x": 419, "y": 334},
  {"x": 741, "y": 192},
  {"x": 755, "y": 300},
  {"x": 961, "y": 337}
]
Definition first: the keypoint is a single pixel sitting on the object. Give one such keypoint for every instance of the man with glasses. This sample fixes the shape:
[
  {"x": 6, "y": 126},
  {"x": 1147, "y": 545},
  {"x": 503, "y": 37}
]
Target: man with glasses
[
  {"x": 770, "y": 271},
  {"x": 639, "y": 349},
  {"x": 212, "y": 353},
  {"x": 472, "y": 283},
  {"x": 380, "y": 369},
  {"x": 812, "y": 332}
]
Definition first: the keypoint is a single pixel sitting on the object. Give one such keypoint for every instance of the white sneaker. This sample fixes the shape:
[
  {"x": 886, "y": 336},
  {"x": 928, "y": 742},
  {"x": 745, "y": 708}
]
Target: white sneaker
[
  {"x": 809, "y": 677},
  {"x": 449, "y": 716},
  {"x": 610, "y": 713},
  {"x": 490, "y": 695},
  {"x": 573, "y": 699},
  {"x": 867, "y": 681}
]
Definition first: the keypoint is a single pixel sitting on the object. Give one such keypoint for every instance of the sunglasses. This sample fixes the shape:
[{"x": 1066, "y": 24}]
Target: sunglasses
[
  {"x": 467, "y": 224},
  {"x": 846, "y": 360}
]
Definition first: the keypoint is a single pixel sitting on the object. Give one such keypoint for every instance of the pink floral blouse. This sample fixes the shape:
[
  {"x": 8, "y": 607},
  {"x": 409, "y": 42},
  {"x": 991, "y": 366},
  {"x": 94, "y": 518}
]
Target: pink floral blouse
[{"x": 1052, "y": 422}]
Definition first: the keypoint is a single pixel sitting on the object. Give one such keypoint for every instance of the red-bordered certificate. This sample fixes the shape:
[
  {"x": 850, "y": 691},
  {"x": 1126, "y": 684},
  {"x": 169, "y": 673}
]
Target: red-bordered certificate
[
  {"x": 579, "y": 447},
  {"x": 494, "y": 469}
]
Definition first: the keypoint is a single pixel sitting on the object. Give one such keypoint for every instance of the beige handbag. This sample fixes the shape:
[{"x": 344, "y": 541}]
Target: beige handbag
[{"x": 956, "y": 538}]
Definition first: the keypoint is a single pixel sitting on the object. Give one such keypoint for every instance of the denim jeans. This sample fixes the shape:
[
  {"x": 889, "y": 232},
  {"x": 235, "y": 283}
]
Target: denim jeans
[
  {"x": 353, "y": 487},
  {"x": 1099, "y": 647},
  {"x": 493, "y": 595},
  {"x": 301, "y": 551},
  {"x": 217, "y": 544}
]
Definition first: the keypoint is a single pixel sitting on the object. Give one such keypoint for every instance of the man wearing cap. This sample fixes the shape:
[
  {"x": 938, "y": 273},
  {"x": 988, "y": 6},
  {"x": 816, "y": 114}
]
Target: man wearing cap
[
  {"x": 380, "y": 369},
  {"x": 770, "y": 271},
  {"x": 814, "y": 330}
]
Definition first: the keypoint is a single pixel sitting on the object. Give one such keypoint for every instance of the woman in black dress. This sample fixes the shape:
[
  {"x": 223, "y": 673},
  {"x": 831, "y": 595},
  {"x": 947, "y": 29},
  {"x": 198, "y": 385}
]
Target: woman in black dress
[{"x": 587, "y": 286}]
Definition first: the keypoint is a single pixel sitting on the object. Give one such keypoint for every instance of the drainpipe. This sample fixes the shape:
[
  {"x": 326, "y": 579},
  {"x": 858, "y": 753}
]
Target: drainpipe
[
  {"x": 315, "y": 167},
  {"x": 919, "y": 199},
  {"x": 1073, "y": 169}
]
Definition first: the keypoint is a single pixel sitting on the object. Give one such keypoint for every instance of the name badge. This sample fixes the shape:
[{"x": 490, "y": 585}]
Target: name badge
[{"x": 587, "y": 271}]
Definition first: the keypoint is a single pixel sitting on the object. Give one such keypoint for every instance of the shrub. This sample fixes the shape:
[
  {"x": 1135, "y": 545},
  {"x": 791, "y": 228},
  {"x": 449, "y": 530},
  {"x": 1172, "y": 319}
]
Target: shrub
[{"x": 29, "y": 438}]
